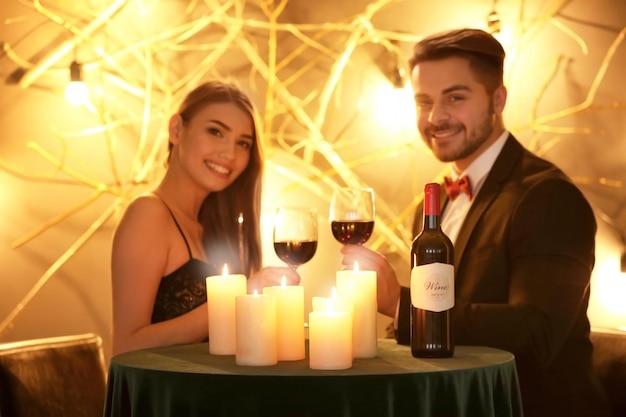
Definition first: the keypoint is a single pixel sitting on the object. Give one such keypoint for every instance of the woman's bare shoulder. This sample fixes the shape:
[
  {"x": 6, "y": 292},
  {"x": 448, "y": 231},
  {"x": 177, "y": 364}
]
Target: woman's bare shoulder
[{"x": 145, "y": 211}]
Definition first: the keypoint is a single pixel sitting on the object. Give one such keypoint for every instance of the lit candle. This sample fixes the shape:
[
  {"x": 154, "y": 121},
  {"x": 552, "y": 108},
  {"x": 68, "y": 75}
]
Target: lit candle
[
  {"x": 256, "y": 330},
  {"x": 242, "y": 250},
  {"x": 337, "y": 304},
  {"x": 360, "y": 286},
  {"x": 290, "y": 311},
  {"x": 221, "y": 291},
  {"x": 330, "y": 339}
]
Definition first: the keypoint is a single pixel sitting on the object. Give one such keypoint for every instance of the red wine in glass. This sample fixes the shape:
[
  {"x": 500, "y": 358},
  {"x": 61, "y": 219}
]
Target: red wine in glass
[
  {"x": 295, "y": 253},
  {"x": 295, "y": 234},
  {"x": 352, "y": 215},
  {"x": 352, "y": 232}
]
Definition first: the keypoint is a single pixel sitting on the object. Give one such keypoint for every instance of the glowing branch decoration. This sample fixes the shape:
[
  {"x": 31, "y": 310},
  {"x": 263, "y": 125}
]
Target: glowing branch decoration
[
  {"x": 150, "y": 54},
  {"x": 539, "y": 122},
  {"x": 65, "y": 48},
  {"x": 71, "y": 251}
]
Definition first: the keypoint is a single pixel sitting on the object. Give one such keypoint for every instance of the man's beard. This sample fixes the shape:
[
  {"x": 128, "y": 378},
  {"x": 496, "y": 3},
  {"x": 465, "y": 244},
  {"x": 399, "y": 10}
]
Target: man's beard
[{"x": 472, "y": 142}]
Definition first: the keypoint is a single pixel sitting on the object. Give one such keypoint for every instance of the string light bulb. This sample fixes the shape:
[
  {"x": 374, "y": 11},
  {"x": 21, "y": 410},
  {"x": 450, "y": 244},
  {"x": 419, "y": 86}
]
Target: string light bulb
[
  {"x": 398, "y": 77},
  {"x": 397, "y": 74},
  {"x": 76, "y": 92},
  {"x": 494, "y": 24}
]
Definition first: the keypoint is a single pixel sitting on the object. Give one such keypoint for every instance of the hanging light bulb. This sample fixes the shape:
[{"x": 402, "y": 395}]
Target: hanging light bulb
[
  {"x": 494, "y": 26},
  {"x": 493, "y": 22},
  {"x": 76, "y": 92},
  {"x": 397, "y": 74},
  {"x": 398, "y": 77}
]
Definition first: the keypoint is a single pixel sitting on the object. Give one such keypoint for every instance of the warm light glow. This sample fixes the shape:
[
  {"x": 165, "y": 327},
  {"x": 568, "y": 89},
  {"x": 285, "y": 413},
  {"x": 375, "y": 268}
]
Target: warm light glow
[
  {"x": 145, "y": 6},
  {"x": 356, "y": 266},
  {"x": 608, "y": 286},
  {"x": 77, "y": 93},
  {"x": 307, "y": 154},
  {"x": 283, "y": 281},
  {"x": 394, "y": 108},
  {"x": 225, "y": 270}
]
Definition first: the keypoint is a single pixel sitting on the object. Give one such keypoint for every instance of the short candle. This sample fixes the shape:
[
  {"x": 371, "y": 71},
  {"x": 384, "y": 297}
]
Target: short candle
[
  {"x": 330, "y": 340},
  {"x": 256, "y": 330}
]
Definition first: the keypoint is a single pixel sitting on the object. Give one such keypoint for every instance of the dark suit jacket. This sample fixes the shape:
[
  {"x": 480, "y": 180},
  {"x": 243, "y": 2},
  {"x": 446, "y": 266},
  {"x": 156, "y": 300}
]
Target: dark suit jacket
[{"x": 523, "y": 260}]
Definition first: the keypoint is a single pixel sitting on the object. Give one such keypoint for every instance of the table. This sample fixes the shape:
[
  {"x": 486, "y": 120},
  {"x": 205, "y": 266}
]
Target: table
[{"x": 186, "y": 380}]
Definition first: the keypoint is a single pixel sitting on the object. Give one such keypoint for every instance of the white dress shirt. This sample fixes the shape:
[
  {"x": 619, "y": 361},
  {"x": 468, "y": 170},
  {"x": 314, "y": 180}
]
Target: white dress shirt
[{"x": 454, "y": 214}]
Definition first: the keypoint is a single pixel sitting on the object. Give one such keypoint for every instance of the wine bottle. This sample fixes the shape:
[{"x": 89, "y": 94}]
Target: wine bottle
[{"x": 432, "y": 284}]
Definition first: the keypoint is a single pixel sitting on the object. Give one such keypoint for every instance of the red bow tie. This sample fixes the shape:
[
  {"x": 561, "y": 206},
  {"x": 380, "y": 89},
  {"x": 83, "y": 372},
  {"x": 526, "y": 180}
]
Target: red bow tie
[{"x": 461, "y": 185}]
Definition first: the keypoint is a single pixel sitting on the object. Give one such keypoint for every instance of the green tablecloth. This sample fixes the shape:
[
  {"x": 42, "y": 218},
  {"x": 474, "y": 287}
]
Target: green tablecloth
[{"x": 182, "y": 381}]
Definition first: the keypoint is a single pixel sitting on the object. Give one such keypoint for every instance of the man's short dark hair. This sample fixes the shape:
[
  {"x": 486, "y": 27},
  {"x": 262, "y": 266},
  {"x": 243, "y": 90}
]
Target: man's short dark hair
[{"x": 484, "y": 53}]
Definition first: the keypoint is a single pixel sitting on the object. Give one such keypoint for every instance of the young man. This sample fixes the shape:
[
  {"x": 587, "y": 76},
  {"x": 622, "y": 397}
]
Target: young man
[{"x": 523, "y": 234}]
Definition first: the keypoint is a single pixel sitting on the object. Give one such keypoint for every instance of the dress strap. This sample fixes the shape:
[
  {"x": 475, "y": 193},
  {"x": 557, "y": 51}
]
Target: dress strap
[{"x": 177, "y": 226}]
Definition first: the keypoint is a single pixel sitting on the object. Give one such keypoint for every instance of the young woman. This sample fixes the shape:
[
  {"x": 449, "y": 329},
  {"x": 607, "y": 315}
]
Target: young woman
[{"x": 202, "y": 215}]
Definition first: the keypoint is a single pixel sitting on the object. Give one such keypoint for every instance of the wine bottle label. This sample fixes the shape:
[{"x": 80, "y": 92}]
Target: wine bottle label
[{"x": 432, "y": 287}]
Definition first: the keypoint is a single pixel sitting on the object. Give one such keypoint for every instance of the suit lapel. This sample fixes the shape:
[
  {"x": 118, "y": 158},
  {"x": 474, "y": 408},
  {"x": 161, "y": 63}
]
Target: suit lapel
[
  {"x": 443, "y": 196},
  {"x": 500, "y": 172}
]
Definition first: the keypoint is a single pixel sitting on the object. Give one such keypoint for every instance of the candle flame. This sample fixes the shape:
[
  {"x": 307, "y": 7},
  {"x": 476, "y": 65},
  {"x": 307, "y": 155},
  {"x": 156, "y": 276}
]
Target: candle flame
[
  {"x": 240, "y": 218},
  {"x": 283, "y": 282},
  {"x": 256, "y": 293},
  {"x": 225, "y": 270},
  {"x": 356, "y": 266}
]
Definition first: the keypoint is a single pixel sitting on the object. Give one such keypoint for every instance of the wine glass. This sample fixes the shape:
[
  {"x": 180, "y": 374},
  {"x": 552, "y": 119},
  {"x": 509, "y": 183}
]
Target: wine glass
[
  {"x": 352, "y": 215},
  {"x": 295, "y": 234}
]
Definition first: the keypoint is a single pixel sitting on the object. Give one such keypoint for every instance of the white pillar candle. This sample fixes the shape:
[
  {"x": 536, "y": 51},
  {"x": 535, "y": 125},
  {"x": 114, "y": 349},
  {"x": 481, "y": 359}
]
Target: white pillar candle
[
  {"x": 256, "y": 324},
  {"x": 330, "y": 340},
  {"x": 221, "y": 291},
  {"x": 360, "y": 286},
  {"x": 290, "y": 312}
]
